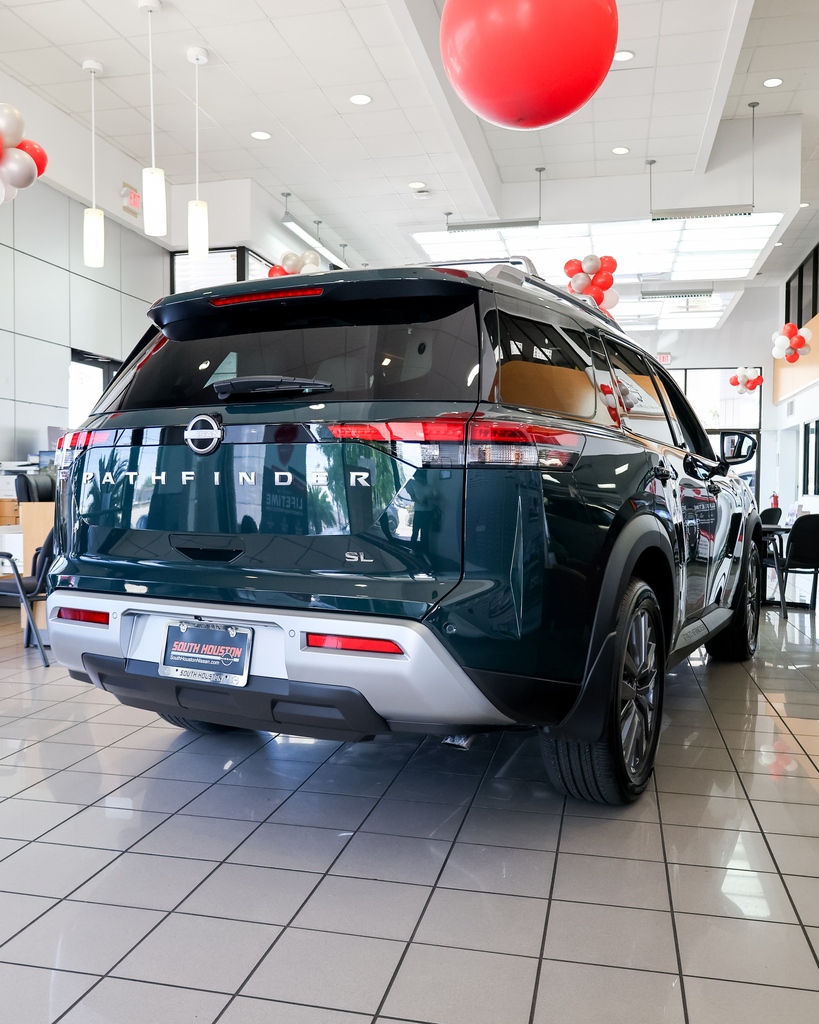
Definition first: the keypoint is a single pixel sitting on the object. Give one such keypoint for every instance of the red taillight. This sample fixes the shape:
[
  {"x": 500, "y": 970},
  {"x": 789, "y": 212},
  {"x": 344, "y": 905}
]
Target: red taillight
[
  {"x": 423, "y": 431},
  {"x": 507, "y": 443},
  {"x": 71, "y": 445},
  {"x": 285, "y": 293},
  {"x": 83, "y": 615},
  {"x": 352, "y": 643}
]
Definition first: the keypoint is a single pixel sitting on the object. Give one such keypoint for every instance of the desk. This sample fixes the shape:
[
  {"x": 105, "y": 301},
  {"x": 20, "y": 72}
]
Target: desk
[{"x": 772, "y": 539}]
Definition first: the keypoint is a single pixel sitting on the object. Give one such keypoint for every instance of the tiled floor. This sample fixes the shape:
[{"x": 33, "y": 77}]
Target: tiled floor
[{"x": 149, "y": 875}]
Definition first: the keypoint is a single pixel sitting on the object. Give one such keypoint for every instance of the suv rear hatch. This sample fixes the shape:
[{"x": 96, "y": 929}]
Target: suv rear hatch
[{"x": 297, "y": 443}]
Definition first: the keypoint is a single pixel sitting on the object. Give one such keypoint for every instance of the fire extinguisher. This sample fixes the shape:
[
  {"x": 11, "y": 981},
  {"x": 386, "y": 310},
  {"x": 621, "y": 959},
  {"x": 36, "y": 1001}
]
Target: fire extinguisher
[{"x": 774, "y": 500}]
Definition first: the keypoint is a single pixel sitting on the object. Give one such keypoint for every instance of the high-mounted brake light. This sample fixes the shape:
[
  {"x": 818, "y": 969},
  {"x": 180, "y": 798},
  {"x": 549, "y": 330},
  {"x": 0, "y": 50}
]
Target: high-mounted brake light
[
  {"x": 285, "y": 293},
  {"x": 331, "y": 642},
  {"x": 452, "y": 271},
  {"x": 83, "y": 615}
]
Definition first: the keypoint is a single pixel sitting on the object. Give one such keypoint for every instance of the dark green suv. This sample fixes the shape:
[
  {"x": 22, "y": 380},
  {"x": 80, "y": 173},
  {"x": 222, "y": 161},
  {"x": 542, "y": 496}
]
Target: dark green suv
[{"x": 425, "y": 499}]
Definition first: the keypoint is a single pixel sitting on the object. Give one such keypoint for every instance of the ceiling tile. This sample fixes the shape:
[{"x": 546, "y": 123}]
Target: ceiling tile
[
  {"x": 394, "y": 61},
  {"x": 43, "y": 66},
  {"x": 690, "y": 16},
  {"x": 780, "y": 58},
  {"x": 117, "y": 56},
  {"x": 627, "y": 82},
  {"x": 699, "y": 47},
  {"x": 621, "y": 131},
  {"x": 16, "y": 34},
  {"x": 237, "y": 43},
  {"x": 332, "y": 32},
  {"x": 66, "y": 21},
  {"x": 365, "y": 123},
  {"x": 212, "y": 12},
  {"x": 124, "y": 121},
  {"x": 287, "y": 75},
  {"x": 382, "y": 95},
  {"x": 638, "y": 21},
  {"x": 681, "y": 77},
  {"x": 134, "y": 89},
  {"x": 689, "y": 124},
  {"x": 393, "y": 145},
  {"x": 350, "y": 67},
  {"x": 376, "y": 26}
]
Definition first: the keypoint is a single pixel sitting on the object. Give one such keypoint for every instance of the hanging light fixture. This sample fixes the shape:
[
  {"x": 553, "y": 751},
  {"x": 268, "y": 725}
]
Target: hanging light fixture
[
  {"x": 93, "y": 221},
  {"x": 154, "y": 206},
  {"x": 197, "y": 208}
]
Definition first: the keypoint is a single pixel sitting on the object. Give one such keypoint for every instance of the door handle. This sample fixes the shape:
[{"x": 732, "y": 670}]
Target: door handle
[
  {"x": 714, "y": 489},
  {"x": 664, "y": 473}
]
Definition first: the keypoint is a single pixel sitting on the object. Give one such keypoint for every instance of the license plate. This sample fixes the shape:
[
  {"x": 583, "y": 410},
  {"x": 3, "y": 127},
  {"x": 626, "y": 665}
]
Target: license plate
[{"x": 208, "y": 652}]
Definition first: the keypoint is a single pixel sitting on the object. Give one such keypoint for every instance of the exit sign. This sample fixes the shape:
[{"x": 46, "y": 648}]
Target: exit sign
[
  {"x": 664, "y": 358},
  {"x": 131, "y": 199}
]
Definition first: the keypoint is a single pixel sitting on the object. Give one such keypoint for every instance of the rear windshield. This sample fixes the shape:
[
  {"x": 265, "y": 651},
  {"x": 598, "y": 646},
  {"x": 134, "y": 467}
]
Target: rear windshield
[{"x": 379, "y": 349}]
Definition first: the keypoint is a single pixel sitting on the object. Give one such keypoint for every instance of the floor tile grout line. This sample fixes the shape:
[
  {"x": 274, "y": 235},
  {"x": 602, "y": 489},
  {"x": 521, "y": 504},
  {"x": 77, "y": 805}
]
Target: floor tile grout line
[
  {"x": 550, "y": 898},
  {"x": 325, "y": 874},
  {"x": 433, "y": 890},
  {"x": 216, "y": 867},
  {"x": 814, "y": 952},
  {"x": 677, "y": 951}
]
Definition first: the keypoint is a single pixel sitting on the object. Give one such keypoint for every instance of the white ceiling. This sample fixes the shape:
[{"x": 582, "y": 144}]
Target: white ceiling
[{"x": 289, "y": 67}]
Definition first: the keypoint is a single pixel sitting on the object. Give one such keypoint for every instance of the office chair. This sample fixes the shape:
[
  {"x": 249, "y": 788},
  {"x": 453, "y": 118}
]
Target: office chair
[
  {"x": 802, "y": 552},
  {"x": 770, "y": 516},
  {"x": 30, "y": 588},
  {"x": 35, "y": 487}
]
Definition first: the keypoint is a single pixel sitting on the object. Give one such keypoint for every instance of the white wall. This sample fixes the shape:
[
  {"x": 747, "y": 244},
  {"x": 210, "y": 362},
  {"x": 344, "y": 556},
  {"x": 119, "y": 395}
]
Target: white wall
[{"x": 50, "y": 303}]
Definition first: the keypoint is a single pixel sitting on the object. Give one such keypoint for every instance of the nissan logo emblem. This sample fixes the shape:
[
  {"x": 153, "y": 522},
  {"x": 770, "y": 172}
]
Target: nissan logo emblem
[{"x": 203, "y": 435}]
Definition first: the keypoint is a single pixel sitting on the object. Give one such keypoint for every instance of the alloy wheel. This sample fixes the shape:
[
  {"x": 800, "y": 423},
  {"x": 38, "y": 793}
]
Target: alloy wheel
[{"x": 638, "y": 693}]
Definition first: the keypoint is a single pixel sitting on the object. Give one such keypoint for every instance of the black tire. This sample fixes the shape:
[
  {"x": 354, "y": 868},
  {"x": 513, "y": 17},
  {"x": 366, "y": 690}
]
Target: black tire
[
  {"x": 738, "y": 641},
  {"x": 194, "y": 725},
  {"x": 616, "y": 769}
]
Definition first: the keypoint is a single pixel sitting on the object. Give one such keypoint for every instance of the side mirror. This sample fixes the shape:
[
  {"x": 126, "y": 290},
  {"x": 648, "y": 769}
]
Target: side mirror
[{"x": 736, "y": 447}]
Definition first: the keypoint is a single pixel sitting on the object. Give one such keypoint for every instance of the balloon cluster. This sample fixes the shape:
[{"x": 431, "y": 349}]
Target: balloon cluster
[
  {"x": 790, "y": 343},
  {"x": 610, "y": 398},
  {"x": 291, "y": 263},
  {"x": 746, "y": 379},
  {"x": 22, "y": 161},
  {"x": 594, "y": 276}
]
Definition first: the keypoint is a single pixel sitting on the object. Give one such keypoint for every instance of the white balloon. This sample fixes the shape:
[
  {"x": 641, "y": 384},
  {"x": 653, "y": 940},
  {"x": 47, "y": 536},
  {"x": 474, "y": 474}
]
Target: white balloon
[
  {"x": 580, "y": 282},
  {"x": 310, "y": 268},
  {"x": 743, "y": 378},
  {"x": 2, "y": 191},
  {"x": 17, "y": 168},
  {"x": 591, "y": 264},
  {"x": 806, "y": 333},
  {"x": 11, "y": 192},
  {"x": 777, "y": 353},
  {"x": 805, "y": 350},
  {"x": 311, "y": 256},
  {"x": 12, "y": 125},
  {"x": 775, "y": 335},
  {"x": 742, "y": 389},
  {"x": 610, "y": 298},
  {"x": 782, "y": 341},
  {"x": 291, "y": 262}
]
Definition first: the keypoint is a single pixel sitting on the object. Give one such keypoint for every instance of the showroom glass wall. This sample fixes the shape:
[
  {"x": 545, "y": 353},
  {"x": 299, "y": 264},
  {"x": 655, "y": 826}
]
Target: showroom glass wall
[
  {"x": 801, "y": 295},
  {"x": 720, "y": 406}
]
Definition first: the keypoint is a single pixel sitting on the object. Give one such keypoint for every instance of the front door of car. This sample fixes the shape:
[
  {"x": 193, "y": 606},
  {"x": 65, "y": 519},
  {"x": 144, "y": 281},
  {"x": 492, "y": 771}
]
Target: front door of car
[{"x": 697, "y": 497}]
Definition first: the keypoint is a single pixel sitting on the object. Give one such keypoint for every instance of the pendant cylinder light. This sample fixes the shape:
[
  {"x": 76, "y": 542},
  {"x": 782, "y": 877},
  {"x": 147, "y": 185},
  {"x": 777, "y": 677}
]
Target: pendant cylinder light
[
  {"x": 197, "y": 209},
  {"x": 154, "y": 205},
  {"x": 93, "y": 222}
]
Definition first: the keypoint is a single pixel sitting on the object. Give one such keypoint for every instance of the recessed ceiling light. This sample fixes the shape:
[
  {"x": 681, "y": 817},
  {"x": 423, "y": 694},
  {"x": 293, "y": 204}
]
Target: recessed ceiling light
[
  {"x": 622, "y": 55},
  {"x": 417, "y": 184},
  {"x": 776, "y": 244},
  {"x": 803, "y": 205},
  {"x": 620, "y": 151},
  {"x": 772, "y": 83},
  {"x": 361, "y": 99},
  {"x": 261, "y": 136}
]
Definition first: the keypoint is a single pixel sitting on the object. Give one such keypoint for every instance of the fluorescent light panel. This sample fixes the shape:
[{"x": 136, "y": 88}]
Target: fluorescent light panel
[
  {"x": 313, "y": 242},
  {"x": 693, "y": 250}
]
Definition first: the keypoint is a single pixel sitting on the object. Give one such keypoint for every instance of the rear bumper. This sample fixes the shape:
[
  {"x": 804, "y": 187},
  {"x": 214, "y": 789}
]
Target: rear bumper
[{"x": 290, "y": 688}]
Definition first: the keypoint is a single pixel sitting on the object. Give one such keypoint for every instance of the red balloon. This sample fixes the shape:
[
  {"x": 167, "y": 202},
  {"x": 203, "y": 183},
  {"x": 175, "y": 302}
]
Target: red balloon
[
  {"x": 790, "y": 330},
  {"x": 524, "y": 64},
  {"x": 760, "y": 379},
  {"x": 569, "y": 286},
  {"x": 797, "y": 341},
  {"x": 277, "y": 271},
  {"x": 603, "y": 280},
  {"x": 733, "y": 381},
  {"x": 792, "y": 357},
  {"x": 596, "y": 293},
  {"x": 608, "y": 263},
  {"x": 1, "y": 147},
  {"x": 751, "y": 384},
  {"x": 573, "y": 267},
  {"x": 36, "y": 152}
]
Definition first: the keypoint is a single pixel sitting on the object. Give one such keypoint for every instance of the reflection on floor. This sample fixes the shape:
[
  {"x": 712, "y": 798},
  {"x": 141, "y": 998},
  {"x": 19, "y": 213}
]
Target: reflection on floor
[{"x": 148, "y": 875}]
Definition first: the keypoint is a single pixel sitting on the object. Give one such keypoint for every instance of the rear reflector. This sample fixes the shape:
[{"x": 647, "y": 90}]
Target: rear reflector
[
  {"x": 83, "y": 615},
  {"x": 352, "y": 643},
  {"x": 284, "y": 293}
]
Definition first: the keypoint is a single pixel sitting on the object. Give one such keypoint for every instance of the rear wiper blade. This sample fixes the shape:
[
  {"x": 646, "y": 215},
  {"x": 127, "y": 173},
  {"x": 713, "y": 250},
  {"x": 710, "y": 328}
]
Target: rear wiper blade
[{"x": 266, "y": 385}]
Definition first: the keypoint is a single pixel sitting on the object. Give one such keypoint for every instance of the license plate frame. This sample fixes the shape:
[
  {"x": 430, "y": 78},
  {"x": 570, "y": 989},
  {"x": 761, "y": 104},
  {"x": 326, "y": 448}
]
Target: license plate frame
[{"x": 194, "y": 665}]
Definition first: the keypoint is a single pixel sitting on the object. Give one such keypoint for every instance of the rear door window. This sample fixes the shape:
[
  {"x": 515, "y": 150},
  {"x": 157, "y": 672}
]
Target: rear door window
[
  {"x": 369, "y": 350},
  {"x": 640, "y": 401},
  {"x": 541, "y": 364}
]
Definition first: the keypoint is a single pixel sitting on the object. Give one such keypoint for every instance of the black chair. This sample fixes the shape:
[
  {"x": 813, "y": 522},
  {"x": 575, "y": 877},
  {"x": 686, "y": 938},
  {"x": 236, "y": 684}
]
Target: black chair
[
  {"x": 27, "y": 589},
  {"x": 770, "y": 516},
  {"x": 35, "y": 487},
  {"x": 802, "y": 552}
]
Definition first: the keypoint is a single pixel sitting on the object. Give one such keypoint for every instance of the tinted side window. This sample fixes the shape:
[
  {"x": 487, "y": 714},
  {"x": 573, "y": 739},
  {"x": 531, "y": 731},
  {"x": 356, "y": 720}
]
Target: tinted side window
[
  {"x": 694, "y": 437},
  {"x": 543, "y": 366},
  {"x": 643, "y": 405}
]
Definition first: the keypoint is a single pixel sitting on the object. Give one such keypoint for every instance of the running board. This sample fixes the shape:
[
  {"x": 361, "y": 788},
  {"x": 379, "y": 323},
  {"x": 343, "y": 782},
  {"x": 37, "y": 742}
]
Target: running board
[{"x": 697, "y": 632}]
